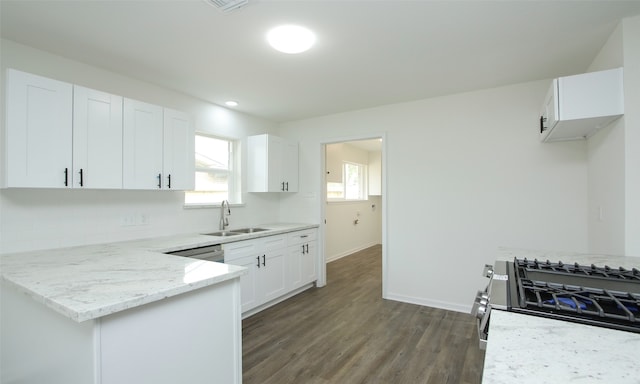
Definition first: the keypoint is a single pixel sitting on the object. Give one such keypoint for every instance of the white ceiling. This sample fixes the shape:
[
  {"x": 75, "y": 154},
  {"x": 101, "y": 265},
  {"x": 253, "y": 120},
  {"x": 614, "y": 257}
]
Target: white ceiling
[{"x": 368, "y": 53}]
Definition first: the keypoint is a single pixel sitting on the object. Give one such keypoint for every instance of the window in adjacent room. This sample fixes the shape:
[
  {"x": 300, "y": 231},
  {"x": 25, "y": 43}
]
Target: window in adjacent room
[
  {"x": 217, "y": 171},
  {"x": 353, "y": 185}
]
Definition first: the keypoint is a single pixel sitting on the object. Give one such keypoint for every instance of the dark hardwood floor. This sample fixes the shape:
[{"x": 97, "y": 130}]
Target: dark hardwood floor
[{"x": 346, "y": 333}]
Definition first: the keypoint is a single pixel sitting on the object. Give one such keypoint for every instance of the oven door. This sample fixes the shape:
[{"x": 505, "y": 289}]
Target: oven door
[{"x": 495, "y": 296}]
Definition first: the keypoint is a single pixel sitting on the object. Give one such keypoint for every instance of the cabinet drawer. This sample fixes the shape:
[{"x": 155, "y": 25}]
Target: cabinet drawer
[
  {"x": 300, "y": 237},
  {"x": 240, "y": 249},
  {"x": 271, "y": 243}
]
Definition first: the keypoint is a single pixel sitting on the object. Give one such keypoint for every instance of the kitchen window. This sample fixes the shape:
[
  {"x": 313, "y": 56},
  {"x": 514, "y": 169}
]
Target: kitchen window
[
  {"x": 217, "y": 171},
  {"x": 353, "y": 185}
]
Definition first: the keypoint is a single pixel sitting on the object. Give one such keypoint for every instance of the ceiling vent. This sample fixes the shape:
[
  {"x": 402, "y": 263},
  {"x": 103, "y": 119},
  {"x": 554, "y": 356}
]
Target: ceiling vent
[{"x": 227, "y": 5}]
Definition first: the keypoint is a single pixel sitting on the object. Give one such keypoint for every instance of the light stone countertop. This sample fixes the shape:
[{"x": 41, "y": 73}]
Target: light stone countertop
[
  {"x": 531, "y": 349},
  {"x": 88, "y": 282}
]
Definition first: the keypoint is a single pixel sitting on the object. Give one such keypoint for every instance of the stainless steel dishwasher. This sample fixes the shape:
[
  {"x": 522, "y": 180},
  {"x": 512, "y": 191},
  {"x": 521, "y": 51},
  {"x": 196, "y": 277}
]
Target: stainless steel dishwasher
[{"x": 209, "y": 253}]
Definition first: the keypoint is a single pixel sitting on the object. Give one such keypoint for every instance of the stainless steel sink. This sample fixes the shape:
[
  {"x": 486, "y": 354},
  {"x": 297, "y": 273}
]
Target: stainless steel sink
[
  {"x": 223, "y": 233},
  {"x": 249, "y": 230}
]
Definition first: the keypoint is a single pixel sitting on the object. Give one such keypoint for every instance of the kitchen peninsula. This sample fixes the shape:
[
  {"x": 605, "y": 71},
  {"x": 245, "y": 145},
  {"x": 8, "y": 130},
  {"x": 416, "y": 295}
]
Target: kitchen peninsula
[
  {"x": 125, "y": 312},
  {"x": 120, "y": 313}
]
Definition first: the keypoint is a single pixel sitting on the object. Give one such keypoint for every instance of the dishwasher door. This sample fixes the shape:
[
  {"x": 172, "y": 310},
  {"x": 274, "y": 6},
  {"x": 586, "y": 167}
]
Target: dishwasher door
[{"x": 209, "y": 253}]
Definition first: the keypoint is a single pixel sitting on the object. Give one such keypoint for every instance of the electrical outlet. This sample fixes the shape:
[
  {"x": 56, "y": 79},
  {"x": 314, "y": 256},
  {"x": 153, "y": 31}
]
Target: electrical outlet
[
  {"x": 143, "y": 219},
  {"x": 128, "y": 220}
]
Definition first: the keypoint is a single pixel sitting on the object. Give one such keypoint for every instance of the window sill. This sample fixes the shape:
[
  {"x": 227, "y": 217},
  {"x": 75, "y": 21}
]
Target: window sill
[{"x": 346, "y": 201}]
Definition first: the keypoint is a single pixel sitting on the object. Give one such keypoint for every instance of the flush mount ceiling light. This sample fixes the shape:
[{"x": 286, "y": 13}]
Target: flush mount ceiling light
[
  {"x": 231, "y": 103},
  {"x": 291, "y": 38}
]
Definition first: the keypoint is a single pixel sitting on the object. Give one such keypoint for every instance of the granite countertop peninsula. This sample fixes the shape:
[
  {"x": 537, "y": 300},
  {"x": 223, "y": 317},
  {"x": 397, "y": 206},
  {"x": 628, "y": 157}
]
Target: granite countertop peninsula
[
  {"x": 531, "y": 349},
  {"x": 88, "y": 282}
]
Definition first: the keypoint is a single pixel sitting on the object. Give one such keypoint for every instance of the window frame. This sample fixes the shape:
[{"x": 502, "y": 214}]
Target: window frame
[
  {"x": 363, "y": 170},
  {"x": 233, "y": 173}
]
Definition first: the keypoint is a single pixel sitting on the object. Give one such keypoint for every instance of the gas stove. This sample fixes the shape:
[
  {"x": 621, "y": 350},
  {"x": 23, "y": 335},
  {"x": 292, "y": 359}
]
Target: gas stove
[{"x": 595, "y": 295}]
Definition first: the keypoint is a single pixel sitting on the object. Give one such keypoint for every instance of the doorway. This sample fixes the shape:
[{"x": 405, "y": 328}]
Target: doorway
[{"x": 353, "y": 203}]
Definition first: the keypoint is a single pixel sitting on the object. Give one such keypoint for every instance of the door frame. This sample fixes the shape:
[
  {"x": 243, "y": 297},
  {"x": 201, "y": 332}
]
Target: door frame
[{"x": 322, "y": 268}]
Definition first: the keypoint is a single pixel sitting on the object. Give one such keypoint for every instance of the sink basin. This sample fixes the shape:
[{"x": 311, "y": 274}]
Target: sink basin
[
  {"x": 223, "y": 233},
  {"x": 249, "y": 230}
]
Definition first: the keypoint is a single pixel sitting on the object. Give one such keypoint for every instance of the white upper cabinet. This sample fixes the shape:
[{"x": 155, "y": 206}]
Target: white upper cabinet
[
  {"x": 60, "y": 135},
  {"x": 38, "y": 131},
  {"x": 577, "y": 106},
  {"x": 97, "y": 139},
  {"x": 179, "y": 142},
  {"x": 142, "y": 145},
  {"x": 273, "y": 164}
]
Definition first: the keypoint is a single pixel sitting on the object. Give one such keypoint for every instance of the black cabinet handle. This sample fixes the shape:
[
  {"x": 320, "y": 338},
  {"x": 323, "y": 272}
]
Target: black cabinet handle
[
  {"x": 283, "y": 186},
  {"x": 303, "y": 249},
  {"x": 159, "y": 180},
  {"x": 66, "y": 177},
  {"x": 264, "y": 261},
  {"x": 81, "y": 178},
  {"x": 287, "y": 186},
  {"x": 307, "y": 248},
  {"x": 258, "y": 257},
  {"x": 542, "y": 121},
  {"x": 169, "y": 183}
]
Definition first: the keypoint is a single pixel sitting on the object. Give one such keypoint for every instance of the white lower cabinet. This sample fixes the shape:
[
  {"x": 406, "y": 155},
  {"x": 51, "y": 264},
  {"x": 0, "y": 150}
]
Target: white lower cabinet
[
  {"x": 277, "y": 265},
  {"x": 195, "y": 338},
  {"x": 302, "y": 258}
]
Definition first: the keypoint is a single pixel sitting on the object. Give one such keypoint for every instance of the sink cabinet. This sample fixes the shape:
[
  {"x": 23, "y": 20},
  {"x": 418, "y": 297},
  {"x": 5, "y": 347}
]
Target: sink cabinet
[
  {"x": 272, "y": 164},
  {"x": 265, "y": 260},
  {"x": 278, "y": 266}
]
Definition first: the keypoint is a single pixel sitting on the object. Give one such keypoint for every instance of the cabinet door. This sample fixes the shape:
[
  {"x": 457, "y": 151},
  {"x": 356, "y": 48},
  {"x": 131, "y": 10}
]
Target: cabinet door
[
  {"x": 38, "y": 131},
  {"x": 142, "y": 145},
  {"x": 271, "y": 275},
  {"x": 294, "y": 265},
  {"x": 251, "y": 297},
  {"x": 272, "y": 164},
  {"x": 97, "y": 139},
  {"x": 309, "y": 263},
  {"x": 179, "y": 142},
  {"x": 290, "y": 166}
]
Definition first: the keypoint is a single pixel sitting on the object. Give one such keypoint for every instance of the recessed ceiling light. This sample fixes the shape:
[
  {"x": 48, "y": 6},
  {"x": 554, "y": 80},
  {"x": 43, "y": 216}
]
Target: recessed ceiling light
[
  {"x": 231, "y": 103},
  {"x": 291, "y": 38}
]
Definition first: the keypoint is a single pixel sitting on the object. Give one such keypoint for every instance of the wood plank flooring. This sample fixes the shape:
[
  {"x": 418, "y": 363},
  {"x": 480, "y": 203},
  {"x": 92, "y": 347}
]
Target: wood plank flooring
[{"x": 346, "y": 333}]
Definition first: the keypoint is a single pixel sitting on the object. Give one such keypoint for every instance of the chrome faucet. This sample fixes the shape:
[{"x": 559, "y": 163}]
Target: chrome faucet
[{"x": 224, "y": 220}]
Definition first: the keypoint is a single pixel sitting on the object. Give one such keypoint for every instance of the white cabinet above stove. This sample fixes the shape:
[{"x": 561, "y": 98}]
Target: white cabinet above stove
[{"x": 577, "y": 106}]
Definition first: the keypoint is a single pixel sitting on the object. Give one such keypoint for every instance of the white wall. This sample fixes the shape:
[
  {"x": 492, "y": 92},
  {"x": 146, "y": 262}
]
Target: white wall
[
  {"x": 38, "y": 219},
  {"x": 606, "y": 216},
  {"x": 465, "y": 174},
  {"x": 614, "y": 153},
  {"x": 343, "y": 236},
  {"x": 631, "y": 48}
]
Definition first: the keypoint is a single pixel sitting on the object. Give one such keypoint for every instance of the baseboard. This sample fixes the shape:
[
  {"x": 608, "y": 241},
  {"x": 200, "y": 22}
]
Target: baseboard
[
  {"x": 276, "y": 301},
  {"x": 351, "y": 251},
  {"x": 449, "y": 306}
]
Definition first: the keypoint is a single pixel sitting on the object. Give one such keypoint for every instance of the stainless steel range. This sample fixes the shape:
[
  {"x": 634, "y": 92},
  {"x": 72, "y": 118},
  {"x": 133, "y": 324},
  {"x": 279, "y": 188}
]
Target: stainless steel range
[{"x": 588, "y": 294}]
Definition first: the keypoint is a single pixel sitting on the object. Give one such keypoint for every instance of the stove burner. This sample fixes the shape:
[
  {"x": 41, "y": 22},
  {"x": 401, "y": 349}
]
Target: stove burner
[{"x": 602, "y": 296}]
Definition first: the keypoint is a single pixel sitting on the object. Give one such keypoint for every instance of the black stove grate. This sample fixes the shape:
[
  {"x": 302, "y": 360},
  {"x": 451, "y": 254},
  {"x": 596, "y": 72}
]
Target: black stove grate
[
  {"x": 600, "y": 296},
  {"x": 580, "y": 301},
  {"x": 577, "y": 269}
]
